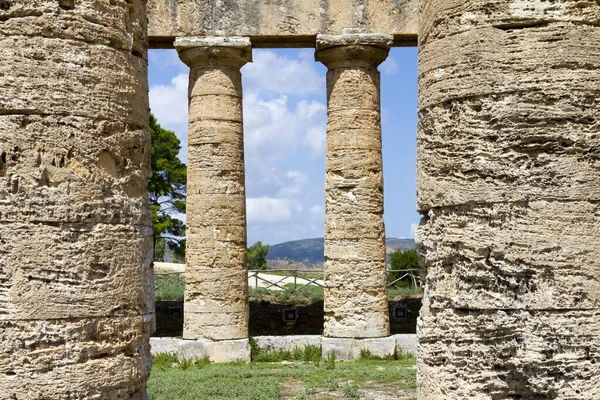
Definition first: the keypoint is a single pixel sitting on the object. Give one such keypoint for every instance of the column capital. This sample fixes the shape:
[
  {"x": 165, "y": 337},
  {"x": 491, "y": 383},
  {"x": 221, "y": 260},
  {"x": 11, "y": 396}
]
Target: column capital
[
  {"x": 368, "y": 50},
  {"x": 217, "y": 51}
]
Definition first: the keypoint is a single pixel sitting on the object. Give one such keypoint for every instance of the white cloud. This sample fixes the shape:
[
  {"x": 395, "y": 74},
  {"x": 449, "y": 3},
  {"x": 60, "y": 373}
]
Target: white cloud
[
  {"x": 413, "y": 230},
  {"x": 389, "y": 67},
  {"x": 317, "y": 212},
  {"x": 268, "y": 209},
  {"x": 295, "y": 184},
  {"x": 274, "y": 128},
  {"x": 281, "y": 75},
  {"x": 169, "y": 103}
]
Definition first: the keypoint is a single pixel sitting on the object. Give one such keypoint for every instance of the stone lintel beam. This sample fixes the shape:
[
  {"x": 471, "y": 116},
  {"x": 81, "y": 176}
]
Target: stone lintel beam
[
  {"x": 216, "y": 298},
  {"x": 356, "y": 303}
]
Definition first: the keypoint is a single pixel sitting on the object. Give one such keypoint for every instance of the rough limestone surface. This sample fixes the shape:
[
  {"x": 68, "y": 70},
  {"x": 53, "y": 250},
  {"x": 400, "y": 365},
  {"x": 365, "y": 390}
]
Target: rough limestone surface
[
  {"x": 76, "y": 294},
  {"x": 509, "y": 185},
  {"x": 356, "y": 304},
  {"x": 216, "y": 291},
  {"x": 280, "y": 23}
]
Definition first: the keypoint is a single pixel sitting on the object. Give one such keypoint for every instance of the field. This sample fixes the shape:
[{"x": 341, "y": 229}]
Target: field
[{"x": 298, "y": 380}]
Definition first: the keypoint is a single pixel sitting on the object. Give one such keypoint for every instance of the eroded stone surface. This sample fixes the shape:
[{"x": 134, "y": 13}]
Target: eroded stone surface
[
  {"x": 216, "y": 298},
  {"x": 76, "y": 291},
  {"x": 355, "y": 259},
  {"x": 508, "y": 179},
  {"x": 274, "y": 23}
]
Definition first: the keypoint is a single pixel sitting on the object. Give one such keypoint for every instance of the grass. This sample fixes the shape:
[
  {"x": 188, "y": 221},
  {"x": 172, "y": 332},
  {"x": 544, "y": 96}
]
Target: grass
[
  {"x": 307, "y": 354},
  {"x": 270, "y": 381},
  {"x": 169, "y": 287}
]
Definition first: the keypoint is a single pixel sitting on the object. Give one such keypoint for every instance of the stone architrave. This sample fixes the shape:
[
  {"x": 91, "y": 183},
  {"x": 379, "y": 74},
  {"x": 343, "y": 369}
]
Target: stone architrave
[
  {"x": 76, "y": 288},
  {"x": 509, "y": 186},
  {"x": 356, "y": 304},
  {"x": 216, "y": 292}
]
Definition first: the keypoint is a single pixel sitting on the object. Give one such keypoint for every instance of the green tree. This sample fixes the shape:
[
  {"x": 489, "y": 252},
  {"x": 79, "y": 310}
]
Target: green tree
[
  {"x": 167, "y": 187},
  {"x": 257, "y": 256},
  {"x": 408, "y": 259}
]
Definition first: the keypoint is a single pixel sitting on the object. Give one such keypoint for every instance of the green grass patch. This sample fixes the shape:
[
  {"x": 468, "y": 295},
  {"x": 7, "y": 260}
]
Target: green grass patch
[
  {"x": 302, "y": 296},
  {"x": 170, "y": 288},
  {"x": 307, "y": 354},
  {"x": 264, "y": 381}
]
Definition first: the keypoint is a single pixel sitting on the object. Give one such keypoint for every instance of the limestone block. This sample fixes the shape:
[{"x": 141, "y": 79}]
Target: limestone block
[
  {"x": 216, "y": 156},
  {"x": 71, "y": 168},
  {"x": 111, "y": 276},
  {"x": 220, "y": 208},
  {"x": 215, "y": 326},
  {"x": 358, "y": 225},
  {"x": 541, "y": 255},
  {"x": 359, "y": 249},
  {"x": 277, "y": 22},
  {"x": 118, "y": 24},
  {"x": 350, "y": 349},
  {"x": 287, "y": 343},
  {"x": 104, "y": 358},
  {"x": 221, "y": 351},
  {"x": 205, "y": 254},
  {"x": 74, "y": 76},
  {"x": 217, "y": 107},
  {"x": 355, "y": 178},
  {"x": 353, "y": 159},
  {"x": 350, "y": 200},
  {"x": 204, "y": 132},
  {"x": 222, "y": 233},
  {"x": 533, "y": 354},
  {"x": 211, "y": 81}
]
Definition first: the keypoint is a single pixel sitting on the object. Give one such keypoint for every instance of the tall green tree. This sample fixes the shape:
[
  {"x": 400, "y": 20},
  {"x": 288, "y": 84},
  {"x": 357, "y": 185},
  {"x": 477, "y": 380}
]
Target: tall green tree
[
  {"x": 167, "y": 188},
  {"x": 401, "y": 260},
  {"x": 257, "y": 256},
  {"x": 408, "y": 259}
]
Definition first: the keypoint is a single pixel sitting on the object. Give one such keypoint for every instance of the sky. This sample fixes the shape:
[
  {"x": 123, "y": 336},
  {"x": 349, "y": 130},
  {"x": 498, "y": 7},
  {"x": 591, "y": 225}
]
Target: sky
[{"x": 285, "y": 115}]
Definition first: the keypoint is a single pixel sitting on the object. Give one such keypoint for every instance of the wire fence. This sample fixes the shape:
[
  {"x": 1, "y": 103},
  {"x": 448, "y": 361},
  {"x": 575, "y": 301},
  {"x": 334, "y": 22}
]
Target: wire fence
[{"x": 294, "y": 279}]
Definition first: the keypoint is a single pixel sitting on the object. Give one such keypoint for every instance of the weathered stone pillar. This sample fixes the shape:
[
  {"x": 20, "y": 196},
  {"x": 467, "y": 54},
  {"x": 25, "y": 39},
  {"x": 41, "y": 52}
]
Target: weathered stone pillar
[
  {"x": 76, "y": 290},
  {"x": 509, "y": 186},
  {"x": 216, "y": 298},
  {"x": 356, "y": 304}
]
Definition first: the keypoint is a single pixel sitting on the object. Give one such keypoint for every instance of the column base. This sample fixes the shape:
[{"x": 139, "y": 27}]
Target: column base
[
  {"x": 218, "y": 351},
  {"x": 349, "y": 349}
]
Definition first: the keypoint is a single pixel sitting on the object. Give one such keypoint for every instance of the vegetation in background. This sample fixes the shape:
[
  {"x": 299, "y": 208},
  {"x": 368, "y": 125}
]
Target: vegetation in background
[
  {"x": 289, "y": 296},
  {"x": 401, "y": 260},
  {"x": 169, "y": 287},
  {"x": 309, "y": 353},
  {"x": 271, "y": 381},
  {"x": 257, "y": 256},
  {"x": 167, "y": 188}
]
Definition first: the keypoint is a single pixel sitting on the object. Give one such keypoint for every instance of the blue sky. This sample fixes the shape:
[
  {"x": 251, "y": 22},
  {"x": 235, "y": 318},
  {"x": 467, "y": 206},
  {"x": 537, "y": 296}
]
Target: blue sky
[{"x": 284, "y": 132}]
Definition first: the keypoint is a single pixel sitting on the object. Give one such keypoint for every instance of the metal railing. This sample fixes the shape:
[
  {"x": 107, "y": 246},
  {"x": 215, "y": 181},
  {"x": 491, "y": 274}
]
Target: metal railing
[{"x": 294, "y": 276}]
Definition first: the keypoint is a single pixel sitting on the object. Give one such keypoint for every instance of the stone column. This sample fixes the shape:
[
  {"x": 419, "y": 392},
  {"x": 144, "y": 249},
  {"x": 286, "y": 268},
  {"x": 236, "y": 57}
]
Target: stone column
[
  {"x": 76, "y": 289},
  {"x": 216, "y": 298},
  {"x": 356, "y": 303},
  {"x": 509, "y": 189}
]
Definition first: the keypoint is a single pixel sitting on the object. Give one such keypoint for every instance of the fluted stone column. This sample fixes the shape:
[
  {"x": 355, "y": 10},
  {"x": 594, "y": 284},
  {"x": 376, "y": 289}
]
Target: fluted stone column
[
  {"x": 216, "y": 297},
  {"x": 76, "y": 289},
  {"x": 509, "y": 185},
  {"x": 356, "y": 303}
]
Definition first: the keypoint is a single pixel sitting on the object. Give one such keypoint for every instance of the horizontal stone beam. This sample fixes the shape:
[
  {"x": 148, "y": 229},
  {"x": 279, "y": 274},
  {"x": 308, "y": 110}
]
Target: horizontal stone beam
[{"x": 281, "y": 23}]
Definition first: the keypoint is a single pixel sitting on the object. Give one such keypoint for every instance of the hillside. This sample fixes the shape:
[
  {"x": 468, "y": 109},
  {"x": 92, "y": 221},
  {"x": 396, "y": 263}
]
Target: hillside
[{"x": 310, "y": 251}]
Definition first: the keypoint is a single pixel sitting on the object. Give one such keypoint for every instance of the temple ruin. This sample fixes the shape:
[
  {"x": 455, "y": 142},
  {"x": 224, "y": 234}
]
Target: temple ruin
[{"x": 508, "y": 182}]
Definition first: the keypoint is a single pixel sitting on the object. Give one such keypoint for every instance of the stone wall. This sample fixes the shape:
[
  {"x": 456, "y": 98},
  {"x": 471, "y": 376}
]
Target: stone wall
[
  {"x": 508, "y": 182},
  {"x": 280, "y": 23},
  {"x": 76, "y": 293}
]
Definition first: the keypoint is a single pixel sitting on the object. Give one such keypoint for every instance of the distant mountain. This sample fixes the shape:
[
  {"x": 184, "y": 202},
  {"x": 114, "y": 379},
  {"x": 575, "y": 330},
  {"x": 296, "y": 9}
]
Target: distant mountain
[{"x": 311, "y": 251}]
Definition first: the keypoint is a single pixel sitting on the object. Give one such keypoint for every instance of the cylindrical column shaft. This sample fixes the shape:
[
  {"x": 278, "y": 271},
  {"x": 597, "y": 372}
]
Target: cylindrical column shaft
[
  {"x": 356, "y": 304},
  {"x": 76, "y": 290},
  {"x": 509, "y": 185},
  {"x": 216, "y": 293}
]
